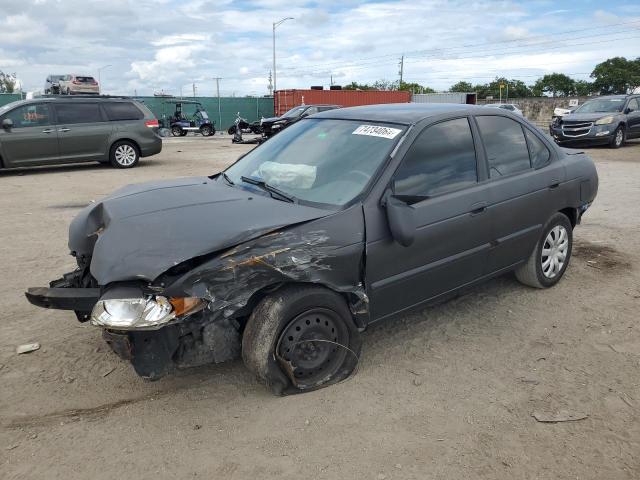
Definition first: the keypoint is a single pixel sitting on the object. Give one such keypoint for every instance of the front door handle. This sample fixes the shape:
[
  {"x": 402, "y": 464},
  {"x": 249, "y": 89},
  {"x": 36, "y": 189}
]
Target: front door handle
[
  {"x": 554, "y": 184},
  {"x": 48, "y": 130},
  {"x": 478, "y": 208},
  {"x": 64, "y": 129}
]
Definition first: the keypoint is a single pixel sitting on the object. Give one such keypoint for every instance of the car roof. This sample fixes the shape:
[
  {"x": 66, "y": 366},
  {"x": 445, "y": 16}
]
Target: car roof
[
  {"x": 76, "y": 98},
  {"x": 611, "y": 96},
  {"x": 404, "y": 113}
]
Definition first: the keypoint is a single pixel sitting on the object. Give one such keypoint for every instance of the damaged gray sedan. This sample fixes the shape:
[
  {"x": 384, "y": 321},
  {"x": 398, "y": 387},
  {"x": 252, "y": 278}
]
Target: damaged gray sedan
[{"x": 346, "y": 218}]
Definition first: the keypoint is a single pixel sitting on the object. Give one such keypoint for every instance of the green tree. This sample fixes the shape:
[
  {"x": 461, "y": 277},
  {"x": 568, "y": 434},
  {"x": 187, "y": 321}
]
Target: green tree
[
  {"x": 462, "y": 87},
  {"x": 357, "y": 86},
  {"x": 415, "y": 88},
  {"x": 584, "y": 88},
  {"x": 385, "y": 85},
  {"x": 557, "y": 84},
  {"x": 7, "y": 82},
  {"x": 616, "y": 75}
]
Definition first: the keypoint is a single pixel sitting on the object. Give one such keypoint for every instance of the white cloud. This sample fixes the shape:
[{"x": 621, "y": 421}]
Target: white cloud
[{"x": 155, "y": 45}]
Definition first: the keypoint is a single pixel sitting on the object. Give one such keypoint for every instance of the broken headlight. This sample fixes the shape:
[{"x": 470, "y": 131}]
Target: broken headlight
[{"x": 141, "y": 313}]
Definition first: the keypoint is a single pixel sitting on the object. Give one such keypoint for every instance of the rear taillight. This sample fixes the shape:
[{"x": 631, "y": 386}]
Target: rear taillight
[{"x": 152, "y": 123}]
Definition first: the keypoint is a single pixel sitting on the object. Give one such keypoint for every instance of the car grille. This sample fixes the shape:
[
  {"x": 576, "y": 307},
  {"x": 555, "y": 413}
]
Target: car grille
[{"x": 576, "y": 129}]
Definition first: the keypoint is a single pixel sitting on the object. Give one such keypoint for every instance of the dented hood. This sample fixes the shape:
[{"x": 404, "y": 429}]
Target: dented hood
[{"x": 140, "y": 231}]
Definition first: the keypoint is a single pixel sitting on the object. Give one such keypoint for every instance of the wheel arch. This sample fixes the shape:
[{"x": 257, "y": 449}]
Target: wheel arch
[
  {"x": 572, "y": 214},
  {"x": 352, "y": 300},
  {"x": 124, "y": 139}
]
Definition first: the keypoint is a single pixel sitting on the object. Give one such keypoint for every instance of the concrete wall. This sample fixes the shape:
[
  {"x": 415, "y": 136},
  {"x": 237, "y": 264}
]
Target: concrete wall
[{"x": 539, "y": 109}]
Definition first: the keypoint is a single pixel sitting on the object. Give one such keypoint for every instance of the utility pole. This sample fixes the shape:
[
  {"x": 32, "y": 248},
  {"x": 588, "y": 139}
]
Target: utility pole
[
  {"x": 401, "y": 65},
  {"x": 331, "y": 83},
  {"x": 270, "y": 84},
  {"x": 194, "y": 89},
  {"x": 217, "y": 79}
]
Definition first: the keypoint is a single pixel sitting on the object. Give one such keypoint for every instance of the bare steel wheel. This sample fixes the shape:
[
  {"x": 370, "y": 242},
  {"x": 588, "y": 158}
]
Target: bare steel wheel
[
  {"x": 300, "y": 338},
  {"x": 554, "y": 251},
  {"x": 124, "y": 154},
  {"x": 550, "y": 257},
  {"x": 310, "y": 347}
]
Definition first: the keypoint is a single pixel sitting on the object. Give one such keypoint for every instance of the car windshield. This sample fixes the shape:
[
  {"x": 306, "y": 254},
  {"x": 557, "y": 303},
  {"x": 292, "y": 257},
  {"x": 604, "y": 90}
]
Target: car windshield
[
  {"x": 294, "y": 112},
  {"x": 601, "y": 105},
  {"x": 320, "y": 161}
]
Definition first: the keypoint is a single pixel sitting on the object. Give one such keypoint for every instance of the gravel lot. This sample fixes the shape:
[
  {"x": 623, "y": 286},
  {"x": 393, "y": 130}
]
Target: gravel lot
[{"x": 446, "y": 393}]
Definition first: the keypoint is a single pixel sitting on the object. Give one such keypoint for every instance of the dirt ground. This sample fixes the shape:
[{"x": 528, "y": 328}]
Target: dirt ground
[{"x": 446, "y": 393}]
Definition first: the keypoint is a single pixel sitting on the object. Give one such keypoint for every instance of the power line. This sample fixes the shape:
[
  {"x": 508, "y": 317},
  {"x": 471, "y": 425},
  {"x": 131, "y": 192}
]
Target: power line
[
  {"x": 438, "y": 51},
  {"x": 523, "y": 49}
]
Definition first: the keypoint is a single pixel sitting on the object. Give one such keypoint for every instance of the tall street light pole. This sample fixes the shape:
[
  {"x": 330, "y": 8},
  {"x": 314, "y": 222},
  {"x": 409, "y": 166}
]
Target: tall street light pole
[
  {"x": 276, "y": 24},
  {"x": 99, "y": 78}
]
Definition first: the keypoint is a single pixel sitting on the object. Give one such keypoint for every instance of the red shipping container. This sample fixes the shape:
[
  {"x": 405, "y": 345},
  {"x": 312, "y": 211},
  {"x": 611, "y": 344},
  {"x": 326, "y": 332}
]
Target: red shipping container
[{"x": 285, "y": 100}]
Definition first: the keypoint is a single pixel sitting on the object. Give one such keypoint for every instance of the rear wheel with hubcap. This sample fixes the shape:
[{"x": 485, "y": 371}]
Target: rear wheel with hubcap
[
  {"x": 550, "y": 257},
  {"x": 124, "y": 154},
  {"x": 176, "y": 131},
  {"x": 301, "y": 338}
]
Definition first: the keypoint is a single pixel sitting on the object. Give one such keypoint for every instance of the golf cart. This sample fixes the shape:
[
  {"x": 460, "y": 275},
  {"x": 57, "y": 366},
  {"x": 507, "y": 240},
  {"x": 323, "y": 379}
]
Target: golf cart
[{"x": 181, "y": 122}]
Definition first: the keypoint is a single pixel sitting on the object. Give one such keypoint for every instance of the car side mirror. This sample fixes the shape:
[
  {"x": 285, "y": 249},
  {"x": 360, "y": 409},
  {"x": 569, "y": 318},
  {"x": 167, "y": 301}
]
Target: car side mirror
[
  {"x": 7, "y": 124},
  {"x": 628, "y": 110},
  {"x": 401, "y": 218}
]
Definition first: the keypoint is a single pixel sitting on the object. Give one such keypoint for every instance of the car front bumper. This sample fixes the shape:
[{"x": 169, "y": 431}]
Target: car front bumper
[{"x": 597, "y": 135}]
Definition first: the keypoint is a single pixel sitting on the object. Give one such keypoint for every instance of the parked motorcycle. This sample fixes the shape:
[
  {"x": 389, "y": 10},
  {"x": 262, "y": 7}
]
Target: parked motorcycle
[{"x": 245, "y": 126}]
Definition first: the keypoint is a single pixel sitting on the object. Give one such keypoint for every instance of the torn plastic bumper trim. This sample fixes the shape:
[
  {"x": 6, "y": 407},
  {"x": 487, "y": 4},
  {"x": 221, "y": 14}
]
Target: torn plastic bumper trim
[{"x": 78, "y": 299}]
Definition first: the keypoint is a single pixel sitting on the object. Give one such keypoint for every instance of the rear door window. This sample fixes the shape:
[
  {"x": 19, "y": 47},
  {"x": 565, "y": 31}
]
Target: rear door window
[
  {"x": 505, "y": 145},
  {"x": 117, "y": 111},
  {"x": 539, "y": 152},
  {"x": 71, "y": 113},
  {"x": 33, "y": 115},
  {"x": 633, "y": 105},
  {"x": 441, "y": 159}
]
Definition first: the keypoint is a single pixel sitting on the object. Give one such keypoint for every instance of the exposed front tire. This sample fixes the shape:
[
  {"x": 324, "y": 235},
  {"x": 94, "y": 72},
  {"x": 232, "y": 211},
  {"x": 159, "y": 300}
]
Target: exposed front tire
[
  {"x": 551, "y": 255},
  {"x": 618, "y": 137},
  {"x": 124, "y": 154},
  {"x": 176, "y": 131},
  {"x": 301, "y": 338}
]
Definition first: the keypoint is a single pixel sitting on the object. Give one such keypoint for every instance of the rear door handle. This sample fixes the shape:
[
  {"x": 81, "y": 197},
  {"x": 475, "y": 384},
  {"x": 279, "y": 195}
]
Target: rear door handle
[
  {"x": 554, "y": 184},
  {"x": 64, "y": 129},
  {"x": 478, "y": 208}
]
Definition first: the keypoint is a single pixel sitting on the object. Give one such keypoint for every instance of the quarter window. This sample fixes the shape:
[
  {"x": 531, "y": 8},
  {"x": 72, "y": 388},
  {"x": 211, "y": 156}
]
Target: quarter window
[
  {"x": 633, "y": 105},
  {"x": 540, "y": 154},
  {"x": 33, "y": 115},
  {"x": 70, "y": 113},
  {"x": 442, "y": 159},
  {"x": 123, "y": 111},
  {"x": 505, "y": 145}
]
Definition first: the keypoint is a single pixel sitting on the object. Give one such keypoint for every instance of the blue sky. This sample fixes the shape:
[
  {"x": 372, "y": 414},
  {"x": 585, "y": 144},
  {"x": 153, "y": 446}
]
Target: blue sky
[{"x": 168, "y": 45}]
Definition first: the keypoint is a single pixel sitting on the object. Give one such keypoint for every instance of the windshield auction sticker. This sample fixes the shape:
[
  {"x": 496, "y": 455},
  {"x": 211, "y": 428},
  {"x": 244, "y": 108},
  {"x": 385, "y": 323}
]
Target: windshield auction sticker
[{"x": 377, "y": 131}]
